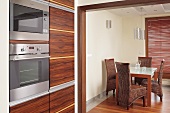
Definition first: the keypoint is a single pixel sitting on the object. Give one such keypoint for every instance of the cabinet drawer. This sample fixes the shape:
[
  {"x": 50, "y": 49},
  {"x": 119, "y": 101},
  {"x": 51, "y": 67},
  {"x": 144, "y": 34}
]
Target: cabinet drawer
[
  {"x": 61, "y": 20},
  {"x": 38, "y": 105},
  {"x": 65, "y": 3},
  {"x": 61, "y": 44},
  {"x": 61, "y": 71},
  {"x": 62, "y": 100}
]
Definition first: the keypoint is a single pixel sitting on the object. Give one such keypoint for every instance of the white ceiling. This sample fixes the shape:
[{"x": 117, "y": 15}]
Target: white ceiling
[{"x": 143, "y": 10}]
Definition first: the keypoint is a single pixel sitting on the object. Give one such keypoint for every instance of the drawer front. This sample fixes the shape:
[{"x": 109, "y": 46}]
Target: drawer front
[
  {"x": 62, "y": 100},
  {"x": 61, "y": 44},
  {"x": 61, "y": 71},
  {"x": 65, "y": 3},
  {"x": 38, "y": 105},
  {"x": 61, "y": 20}
]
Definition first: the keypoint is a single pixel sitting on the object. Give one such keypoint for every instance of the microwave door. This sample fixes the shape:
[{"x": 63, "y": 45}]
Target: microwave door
[{"x": 27, "y": 19}]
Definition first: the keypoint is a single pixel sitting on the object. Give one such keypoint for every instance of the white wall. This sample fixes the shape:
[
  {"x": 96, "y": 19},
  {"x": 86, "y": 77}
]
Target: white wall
[
  {"x": 132, "y": 48},
  {"x": 88, "y": 2},
  {"x": 101, "y": 43},
  {"x": 4, "y": 60}
]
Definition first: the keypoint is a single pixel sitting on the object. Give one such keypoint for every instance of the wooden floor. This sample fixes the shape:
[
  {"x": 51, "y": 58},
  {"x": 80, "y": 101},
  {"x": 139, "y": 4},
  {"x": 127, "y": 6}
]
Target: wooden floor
[{"x": 109, "y": 105}]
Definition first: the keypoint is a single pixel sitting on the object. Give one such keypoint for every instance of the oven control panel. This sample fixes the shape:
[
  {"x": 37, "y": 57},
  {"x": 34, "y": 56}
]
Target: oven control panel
[{"x": 29, "y": 48}]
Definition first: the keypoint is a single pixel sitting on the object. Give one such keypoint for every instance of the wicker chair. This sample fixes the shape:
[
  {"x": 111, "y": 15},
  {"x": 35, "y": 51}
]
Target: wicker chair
[
  {"x": 156, "y": 85},
  {"x": 145, "y": 62},
  {"x": 111, "y": 75},
  {"x": 127, "y": 93}
]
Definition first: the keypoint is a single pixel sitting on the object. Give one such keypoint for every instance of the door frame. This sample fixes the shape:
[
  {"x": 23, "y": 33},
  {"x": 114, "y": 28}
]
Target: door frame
[{"x": 82, "y": 39}]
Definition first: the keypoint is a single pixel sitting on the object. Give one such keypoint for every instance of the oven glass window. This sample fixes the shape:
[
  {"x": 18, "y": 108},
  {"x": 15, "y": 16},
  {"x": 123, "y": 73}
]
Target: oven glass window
[
  {"x": 27, "y": 19},
  {"x": 29, "y": 72}
]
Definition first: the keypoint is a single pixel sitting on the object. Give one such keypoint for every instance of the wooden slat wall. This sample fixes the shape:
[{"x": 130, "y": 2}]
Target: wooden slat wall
[
  {"x": 159, "y": 41},
  {"x": 62, "y": 101},
  {"x": 38, "y": 105}
]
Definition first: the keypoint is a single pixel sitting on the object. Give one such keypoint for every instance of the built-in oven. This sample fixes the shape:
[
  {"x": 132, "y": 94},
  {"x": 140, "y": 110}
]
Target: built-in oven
[
  {"x": 29, "y": 70},
  {"x": 29, "y": 20}
]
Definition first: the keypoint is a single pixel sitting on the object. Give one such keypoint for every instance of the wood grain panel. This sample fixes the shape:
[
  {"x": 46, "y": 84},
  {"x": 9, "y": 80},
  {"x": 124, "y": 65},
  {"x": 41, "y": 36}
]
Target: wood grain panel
[
  {"x": 61, "y": 44},
  {"x": 65, "y": 3},
  {"x": 68, "y": 109},
  {"x": 62, "y": 20},
  {"x": 61, "y": 71},
  {"x": 28, "y": 42},
  {"x": 158, "y": 33},
  {"x": 61, "y": 99},
  {"x": 38, "y": 105}
]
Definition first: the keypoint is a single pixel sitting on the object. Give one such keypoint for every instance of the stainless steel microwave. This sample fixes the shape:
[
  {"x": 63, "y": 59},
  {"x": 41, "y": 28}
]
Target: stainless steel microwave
[{"x": 29, "y": 20}]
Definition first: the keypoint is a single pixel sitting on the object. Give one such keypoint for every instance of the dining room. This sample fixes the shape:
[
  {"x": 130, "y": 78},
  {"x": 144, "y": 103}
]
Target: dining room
[{"x": 111, "y": 34}]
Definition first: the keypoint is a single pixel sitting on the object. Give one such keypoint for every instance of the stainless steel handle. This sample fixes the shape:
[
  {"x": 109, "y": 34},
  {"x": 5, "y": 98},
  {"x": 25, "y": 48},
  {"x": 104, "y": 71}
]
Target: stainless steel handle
[{"x": 30, "y": 58}]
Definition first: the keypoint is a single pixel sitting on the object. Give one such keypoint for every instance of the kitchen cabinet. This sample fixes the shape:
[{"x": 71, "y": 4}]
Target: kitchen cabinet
[
  {"x": 38, "y": 105},
  {"x": 62, "y": 101},
  {"x": 61, "y": 20},
  {"x": 65, "y": 3},
  {"x": 61, "y": 71},
  {"x": 61, "y": 46}
]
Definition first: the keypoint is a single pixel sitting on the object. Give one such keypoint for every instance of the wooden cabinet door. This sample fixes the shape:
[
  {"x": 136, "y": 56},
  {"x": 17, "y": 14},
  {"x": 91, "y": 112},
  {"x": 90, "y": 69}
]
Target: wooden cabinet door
[
  {"x": 62, "y": 101},
  {"x": 65, "y": 3},
  {"x": 38, "y": 105},
  {"x": 61, "y": 46}
]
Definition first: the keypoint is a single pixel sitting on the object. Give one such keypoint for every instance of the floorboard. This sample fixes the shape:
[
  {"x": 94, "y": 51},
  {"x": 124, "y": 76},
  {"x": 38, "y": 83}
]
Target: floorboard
[{"x": 109, "y": 105}]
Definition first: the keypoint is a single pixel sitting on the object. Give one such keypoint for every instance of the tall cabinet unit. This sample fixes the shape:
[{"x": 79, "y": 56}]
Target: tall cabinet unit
[{"x": 62, "y": 56}]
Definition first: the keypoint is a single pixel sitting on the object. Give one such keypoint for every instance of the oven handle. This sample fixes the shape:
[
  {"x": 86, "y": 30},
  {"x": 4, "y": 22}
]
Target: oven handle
[{"x": 31, "y": 58}]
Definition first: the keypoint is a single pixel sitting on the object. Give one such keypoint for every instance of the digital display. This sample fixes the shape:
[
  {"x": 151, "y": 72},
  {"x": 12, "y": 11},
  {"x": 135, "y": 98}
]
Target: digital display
[{"x": 31, "y": 47}]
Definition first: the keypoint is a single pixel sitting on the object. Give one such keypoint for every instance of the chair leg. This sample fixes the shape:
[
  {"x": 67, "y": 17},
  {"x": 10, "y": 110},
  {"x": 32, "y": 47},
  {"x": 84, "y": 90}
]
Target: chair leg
[
  {"x": 144, "y": 101},
  {"x": 106, "y": 93},
  {"x": 127, "y": 107},
  {"x": 113, "y": 91},
  {"x": 161, "y": 98}
]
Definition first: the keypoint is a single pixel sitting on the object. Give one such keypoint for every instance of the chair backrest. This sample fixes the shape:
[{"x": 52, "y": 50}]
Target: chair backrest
[
  {"x": 145, "y": 61},
  {"x": 161, "y": 72},
  {"x": 110, "y": 68},
  {"x": 124, "y": 81}
]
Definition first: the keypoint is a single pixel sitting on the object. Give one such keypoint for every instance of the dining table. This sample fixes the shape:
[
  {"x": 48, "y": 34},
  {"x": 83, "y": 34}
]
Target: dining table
[{"x": 142, "y": 72}]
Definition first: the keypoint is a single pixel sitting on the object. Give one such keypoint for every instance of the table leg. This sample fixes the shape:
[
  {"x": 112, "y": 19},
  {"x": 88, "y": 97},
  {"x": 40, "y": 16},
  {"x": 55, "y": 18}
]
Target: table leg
[
  {"x": 116, "y": 87},
  {"x": 149, "y": 92}
]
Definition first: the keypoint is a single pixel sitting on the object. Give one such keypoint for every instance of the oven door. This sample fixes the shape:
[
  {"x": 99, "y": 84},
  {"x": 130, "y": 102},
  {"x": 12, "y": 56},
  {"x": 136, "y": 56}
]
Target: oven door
[{"x": 28, "y": 77}]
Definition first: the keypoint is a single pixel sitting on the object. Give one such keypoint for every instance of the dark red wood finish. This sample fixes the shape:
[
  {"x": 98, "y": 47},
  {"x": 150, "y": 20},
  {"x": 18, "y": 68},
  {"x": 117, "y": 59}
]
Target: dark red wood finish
[
  {"x": 38, "y": 105},
  {"x": 61, "y": 99},
  {"x": 66, "y": 3},
  {"x": 62, "y": 20},
  {"x": 61, "y": 71},
  {"x": 61, "y": 44}
]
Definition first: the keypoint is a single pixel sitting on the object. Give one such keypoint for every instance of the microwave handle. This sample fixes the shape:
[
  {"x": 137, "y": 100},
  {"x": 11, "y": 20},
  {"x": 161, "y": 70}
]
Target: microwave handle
[{"x": 31, "y": 58}]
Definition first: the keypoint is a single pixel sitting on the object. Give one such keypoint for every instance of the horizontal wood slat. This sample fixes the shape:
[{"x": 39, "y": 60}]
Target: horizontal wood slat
[
  {"x": 38, "y": 105},
  {"x": 159, "y": 41},
  {"x": 61, "y": 44},
  {"x": 61, "y": 71},
  {"x": 62, "y": 99},
  {"x": 60, "y": 19},
  {"x": 65, "y": 3}
]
